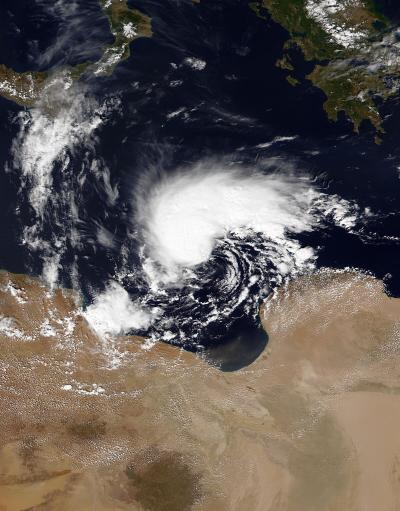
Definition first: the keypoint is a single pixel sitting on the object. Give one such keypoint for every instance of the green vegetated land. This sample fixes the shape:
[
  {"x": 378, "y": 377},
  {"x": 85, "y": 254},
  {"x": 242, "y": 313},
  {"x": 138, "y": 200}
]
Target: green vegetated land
[
  {"x": 126, "y": 25},
  {"x": 350, "y": 72}
]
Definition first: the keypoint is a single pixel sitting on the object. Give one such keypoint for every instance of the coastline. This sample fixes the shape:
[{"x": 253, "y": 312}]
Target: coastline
[
  {"x": 298, "y": 418},
  {"x": 126, "y": 25}
]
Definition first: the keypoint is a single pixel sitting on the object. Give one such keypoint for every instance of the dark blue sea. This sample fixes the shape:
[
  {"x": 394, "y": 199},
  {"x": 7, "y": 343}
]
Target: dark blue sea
[{"x": 239, "y": 101}]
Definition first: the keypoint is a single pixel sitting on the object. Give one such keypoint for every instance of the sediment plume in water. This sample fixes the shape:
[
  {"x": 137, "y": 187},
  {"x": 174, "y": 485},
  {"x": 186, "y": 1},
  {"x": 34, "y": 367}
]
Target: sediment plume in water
[{"x": 308, "y": 425}]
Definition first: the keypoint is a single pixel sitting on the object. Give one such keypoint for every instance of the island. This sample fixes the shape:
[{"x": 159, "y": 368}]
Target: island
[
  {"x": 22, "y": 88},
  {"x": 126, "y": 25},
  {"x": 353, "y": 47}
]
